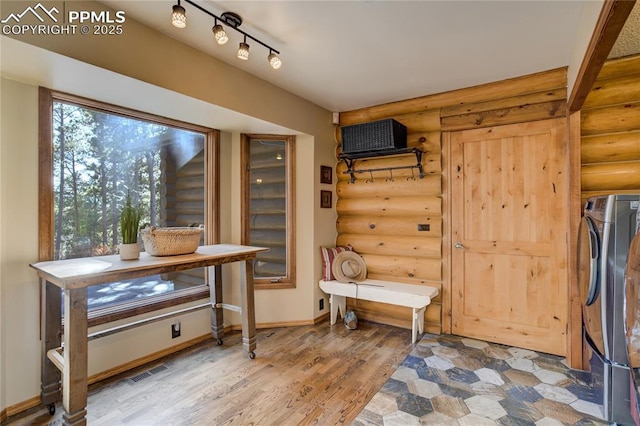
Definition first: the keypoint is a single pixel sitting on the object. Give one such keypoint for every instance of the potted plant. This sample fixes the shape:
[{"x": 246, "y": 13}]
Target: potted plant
[{"x": 129, "y": 223}]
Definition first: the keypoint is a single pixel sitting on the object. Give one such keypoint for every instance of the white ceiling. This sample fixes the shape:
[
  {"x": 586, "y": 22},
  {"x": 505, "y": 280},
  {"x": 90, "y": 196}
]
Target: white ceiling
[{"x": 344, "y": 55}]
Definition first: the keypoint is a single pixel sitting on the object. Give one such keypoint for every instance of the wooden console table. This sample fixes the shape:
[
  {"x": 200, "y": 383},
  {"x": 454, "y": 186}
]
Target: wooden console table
[{"x": 75, "y": 275}]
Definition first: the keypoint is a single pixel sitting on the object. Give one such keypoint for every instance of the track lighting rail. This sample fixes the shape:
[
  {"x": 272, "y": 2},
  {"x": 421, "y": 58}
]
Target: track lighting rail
[
  {"x": 232, "y": 21},
  {"x": 230, "y": 25}
]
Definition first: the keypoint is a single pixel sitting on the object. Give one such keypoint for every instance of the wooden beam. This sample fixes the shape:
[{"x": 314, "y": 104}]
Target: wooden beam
[
  {"x": 612, "y": 18},
  {"x": 574, "y": 331}
]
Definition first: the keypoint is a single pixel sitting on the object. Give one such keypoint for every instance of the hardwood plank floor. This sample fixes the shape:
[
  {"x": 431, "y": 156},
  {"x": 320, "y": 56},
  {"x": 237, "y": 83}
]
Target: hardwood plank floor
[{"x": 302, "y": 375}]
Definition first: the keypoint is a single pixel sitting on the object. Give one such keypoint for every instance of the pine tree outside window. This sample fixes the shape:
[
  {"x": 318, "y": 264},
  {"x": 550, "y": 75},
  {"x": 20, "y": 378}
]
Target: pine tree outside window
[{"x": 98, "y": 154}]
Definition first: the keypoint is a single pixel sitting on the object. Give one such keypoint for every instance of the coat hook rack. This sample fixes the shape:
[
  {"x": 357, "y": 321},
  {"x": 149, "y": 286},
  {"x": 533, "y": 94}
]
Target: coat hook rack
[
  {"x": 370, "y": 178},
  {"x": 350, "y": 159},
  {"x": 390, "y": 178},
  {"x": 412, "y": 177}
]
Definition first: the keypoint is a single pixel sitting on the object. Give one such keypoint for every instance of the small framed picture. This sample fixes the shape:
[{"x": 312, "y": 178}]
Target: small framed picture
[
  {"x": 325, "y": 199},
  {"x": 326, "y": 174}
]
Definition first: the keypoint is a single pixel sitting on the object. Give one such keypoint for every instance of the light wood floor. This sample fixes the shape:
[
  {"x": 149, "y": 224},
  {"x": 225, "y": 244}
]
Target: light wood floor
[{"x": 301, "y": 375}]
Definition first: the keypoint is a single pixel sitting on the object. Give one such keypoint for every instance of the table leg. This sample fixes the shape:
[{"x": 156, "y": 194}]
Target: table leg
[
  {"x": 248, "y": 309},
  {"x": 215, "y": 292},
  {"x": 74, "y": 376},
  {"x": 51, "y": 329}
]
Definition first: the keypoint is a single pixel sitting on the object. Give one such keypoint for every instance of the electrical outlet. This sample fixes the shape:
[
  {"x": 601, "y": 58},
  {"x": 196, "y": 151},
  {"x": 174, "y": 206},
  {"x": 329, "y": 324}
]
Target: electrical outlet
[
  {"x": 322, "y": 304},
  {"x": 175, "y": 330}
]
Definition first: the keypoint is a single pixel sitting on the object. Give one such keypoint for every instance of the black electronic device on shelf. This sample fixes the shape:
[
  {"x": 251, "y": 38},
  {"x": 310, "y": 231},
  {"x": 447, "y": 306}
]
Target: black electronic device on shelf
[
  {"x": 382, "y": 135},
  {"x": 376, "y": 139}
]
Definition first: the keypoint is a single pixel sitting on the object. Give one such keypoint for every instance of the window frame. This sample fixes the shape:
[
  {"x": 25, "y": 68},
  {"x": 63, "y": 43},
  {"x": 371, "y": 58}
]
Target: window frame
[
  {"x": 46, "y": 198},
  {"x": 245, "y": 183}
]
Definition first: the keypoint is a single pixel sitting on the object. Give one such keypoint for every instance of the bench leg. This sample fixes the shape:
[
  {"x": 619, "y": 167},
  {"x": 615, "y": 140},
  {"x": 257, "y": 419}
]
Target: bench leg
[
  {"x": 338, "y": 303},
  {"x": 418, "y": 323}
]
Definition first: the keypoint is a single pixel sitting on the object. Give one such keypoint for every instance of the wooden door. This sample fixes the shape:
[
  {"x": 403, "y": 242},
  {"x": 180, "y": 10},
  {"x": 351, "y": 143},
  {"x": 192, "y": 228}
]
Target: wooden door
[{"x": 509, "y": 235}]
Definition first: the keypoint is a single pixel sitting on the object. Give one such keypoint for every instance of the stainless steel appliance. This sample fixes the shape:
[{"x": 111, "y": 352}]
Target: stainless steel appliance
[
  {"x": 632, "y": 317},
  {"x": 606, "y": 231}
]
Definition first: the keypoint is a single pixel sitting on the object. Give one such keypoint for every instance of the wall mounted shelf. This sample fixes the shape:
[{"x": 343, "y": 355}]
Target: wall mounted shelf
[{"x": 349, "y": 160}]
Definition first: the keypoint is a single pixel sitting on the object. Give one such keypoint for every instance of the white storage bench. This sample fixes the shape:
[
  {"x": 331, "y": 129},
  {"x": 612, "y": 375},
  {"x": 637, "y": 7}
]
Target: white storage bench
[{"x": 417, "y": 297}]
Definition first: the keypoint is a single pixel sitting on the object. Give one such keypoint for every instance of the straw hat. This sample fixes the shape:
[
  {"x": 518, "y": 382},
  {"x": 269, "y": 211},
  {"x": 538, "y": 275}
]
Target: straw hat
[{"x": 348, "y": 267}]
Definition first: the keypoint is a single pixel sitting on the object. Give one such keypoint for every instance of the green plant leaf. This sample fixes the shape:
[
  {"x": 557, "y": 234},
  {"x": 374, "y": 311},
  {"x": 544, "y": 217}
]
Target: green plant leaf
[{"x": 129, "y": 222}]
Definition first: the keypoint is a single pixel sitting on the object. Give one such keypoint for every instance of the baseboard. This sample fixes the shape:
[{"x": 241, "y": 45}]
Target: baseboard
[
  {"x": 19, "y": 408},
  {"x": 321, "y": 318},
  {"x": 147, "y": 359},
  {"x": 238, "y": 327}
]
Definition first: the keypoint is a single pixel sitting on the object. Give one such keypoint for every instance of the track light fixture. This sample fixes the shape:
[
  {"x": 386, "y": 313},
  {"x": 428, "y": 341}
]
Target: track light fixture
[
  {"x": 230, "y": 20},
  {"x": 274, "y": 60},
  {"x": 219, "y": 33},
  {"x": 243, "y": 50},
  {"x": 179, "y": 16}
]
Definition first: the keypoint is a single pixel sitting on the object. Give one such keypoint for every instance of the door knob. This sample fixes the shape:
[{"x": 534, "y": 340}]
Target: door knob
[{"x": 459, "y": 246}]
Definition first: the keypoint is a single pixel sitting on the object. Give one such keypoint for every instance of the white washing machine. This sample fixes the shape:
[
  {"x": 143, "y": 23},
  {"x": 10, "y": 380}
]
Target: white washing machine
[{"x": 606, "y": 231}]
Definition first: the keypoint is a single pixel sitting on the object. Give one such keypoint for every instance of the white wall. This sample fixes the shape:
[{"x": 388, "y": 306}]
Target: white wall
[
  {"x": 25, "y": 66},
  {"x": 19, "y": 309}
]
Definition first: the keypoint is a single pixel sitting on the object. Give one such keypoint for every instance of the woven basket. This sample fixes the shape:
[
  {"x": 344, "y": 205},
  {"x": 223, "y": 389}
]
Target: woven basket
[{"x": 170, "y": 241}]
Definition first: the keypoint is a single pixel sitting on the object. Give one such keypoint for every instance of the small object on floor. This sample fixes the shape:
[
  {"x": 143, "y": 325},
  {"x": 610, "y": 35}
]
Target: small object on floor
[{"x": 351, "y": 320}]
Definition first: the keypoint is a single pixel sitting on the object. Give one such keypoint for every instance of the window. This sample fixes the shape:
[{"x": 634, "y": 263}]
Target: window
[
  {"x": 92, "y": 157},
  {"x": 268, "y": 207}
]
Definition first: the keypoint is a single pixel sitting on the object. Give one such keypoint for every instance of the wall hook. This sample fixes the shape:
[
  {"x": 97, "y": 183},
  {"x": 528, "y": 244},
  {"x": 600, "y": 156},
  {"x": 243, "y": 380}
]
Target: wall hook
[
  {"x": 349, "y": 160},
  {"x": 390, "y": 178},
  {"x": 412, "y": 177}
]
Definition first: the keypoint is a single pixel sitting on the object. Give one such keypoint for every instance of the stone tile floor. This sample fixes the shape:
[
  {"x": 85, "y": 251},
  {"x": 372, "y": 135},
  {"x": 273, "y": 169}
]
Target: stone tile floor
[{"x": 450, "y": 380}]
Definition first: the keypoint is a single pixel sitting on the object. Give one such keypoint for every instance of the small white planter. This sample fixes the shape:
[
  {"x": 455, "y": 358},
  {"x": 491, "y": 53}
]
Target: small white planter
[{"x": 129, "y": 251}]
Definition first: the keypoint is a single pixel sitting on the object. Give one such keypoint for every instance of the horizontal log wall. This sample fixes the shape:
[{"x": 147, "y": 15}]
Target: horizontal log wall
[
  {"x": 182, "y": 204},
  {"x": 543, "y": 82},
  {"x": 380, "y": 213},
  {"x": 610, "y": 131}
]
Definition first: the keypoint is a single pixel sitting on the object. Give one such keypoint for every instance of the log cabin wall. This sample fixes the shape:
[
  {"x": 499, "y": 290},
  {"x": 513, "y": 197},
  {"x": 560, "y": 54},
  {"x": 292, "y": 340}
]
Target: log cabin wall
[
  {"x": 182, "y": 204},
  {"x": 610, "y": 131},
  {"x": 380, "y": 213}
]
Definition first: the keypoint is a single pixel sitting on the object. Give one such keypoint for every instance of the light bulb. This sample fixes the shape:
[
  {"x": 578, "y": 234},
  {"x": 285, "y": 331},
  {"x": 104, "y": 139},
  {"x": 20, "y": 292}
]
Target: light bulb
[
  {"x": 243, "y": 51},
  {"x": 220, "y": 34},
  {"x": 179, "y": 16},
  {"x": 274, "y": 61}
]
